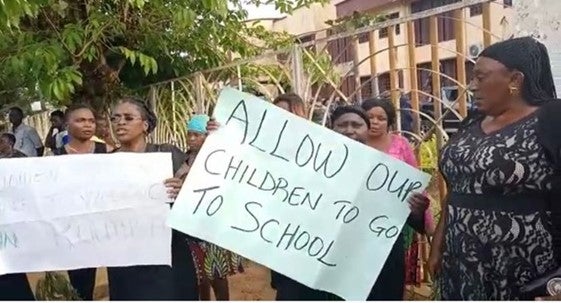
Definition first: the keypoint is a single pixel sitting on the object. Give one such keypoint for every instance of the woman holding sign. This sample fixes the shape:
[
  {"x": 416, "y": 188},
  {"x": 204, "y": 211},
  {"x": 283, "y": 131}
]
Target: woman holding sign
[
  {"x": 354, "y": 123},
  {"x": 288, "y": 289},
  {"x": 80, "y": 124},
  {"x": 133, "y": 121},
  {"x": 213, "y": 264},
  {"x": 383, "y": 117}
]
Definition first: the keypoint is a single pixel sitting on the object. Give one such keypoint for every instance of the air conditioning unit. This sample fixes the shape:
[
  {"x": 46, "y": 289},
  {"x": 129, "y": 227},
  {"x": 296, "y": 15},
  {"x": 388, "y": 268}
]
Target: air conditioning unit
[{"x": 474, "y": 50}]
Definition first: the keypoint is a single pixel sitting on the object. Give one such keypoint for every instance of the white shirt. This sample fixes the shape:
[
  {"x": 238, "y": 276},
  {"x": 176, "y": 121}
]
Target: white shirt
[
  {"x": 59, "y": 138},
  {"x": 27, "y": 140}
]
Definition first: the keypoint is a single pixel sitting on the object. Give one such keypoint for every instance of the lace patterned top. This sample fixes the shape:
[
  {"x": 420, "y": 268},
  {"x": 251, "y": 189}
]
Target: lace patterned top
[
  {"x": 499, "y": 233},
  {"x": 505, "y": 162}
]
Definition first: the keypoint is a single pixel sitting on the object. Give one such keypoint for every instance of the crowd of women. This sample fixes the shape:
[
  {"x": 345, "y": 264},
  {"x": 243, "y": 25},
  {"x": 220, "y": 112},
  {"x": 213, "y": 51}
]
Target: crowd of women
[{"x": 500, "y": 229}]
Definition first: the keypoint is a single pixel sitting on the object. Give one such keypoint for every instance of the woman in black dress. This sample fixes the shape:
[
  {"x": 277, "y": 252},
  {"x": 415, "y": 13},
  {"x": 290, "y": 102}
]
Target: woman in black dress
[
  {"x": 80, "y": 123},
  {"x": 497, "y": 234},
  {"x": 133, "y": 121}
]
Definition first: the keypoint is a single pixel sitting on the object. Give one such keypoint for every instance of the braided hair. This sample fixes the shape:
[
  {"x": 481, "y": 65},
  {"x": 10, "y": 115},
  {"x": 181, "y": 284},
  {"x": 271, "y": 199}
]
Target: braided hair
[
  {"x": 530, "y": 57},
  {"x": 146, "y": 112}
]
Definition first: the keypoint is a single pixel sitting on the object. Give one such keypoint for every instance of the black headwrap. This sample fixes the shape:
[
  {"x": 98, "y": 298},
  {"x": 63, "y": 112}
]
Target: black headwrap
[
  {"x": 530, "y": 57},
  {"x": 349, "y": 109}
]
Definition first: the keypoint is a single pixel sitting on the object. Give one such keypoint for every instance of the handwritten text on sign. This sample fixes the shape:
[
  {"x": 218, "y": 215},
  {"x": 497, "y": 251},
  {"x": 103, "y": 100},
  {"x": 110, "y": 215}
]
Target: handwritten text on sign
[
  {"x": 67, "y": 212},
  {"x": 296, "y": 197}
]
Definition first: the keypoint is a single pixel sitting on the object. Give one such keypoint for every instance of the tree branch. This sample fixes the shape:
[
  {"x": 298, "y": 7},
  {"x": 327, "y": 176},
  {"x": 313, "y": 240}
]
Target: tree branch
[
  {"x": 92, "y": 40},
  {"x": 57, "y": 32}
]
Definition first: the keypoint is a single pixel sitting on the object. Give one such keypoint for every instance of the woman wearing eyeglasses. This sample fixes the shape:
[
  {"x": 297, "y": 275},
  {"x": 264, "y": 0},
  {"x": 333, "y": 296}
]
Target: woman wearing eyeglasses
[{"x": 133, "y": 121}]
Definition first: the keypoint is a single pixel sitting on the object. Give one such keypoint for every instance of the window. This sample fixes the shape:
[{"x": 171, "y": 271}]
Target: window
[
  {"x": 448, "y": 67},
  {"x": 446, "y": 27},
  {"x": 384, "y": 81},
  {"x": 339, "y": 49},
  {"x": 383, "y": 33},
  {"x": 476, "y": 10},
  {"x": 507, "y": 3},
  {"x": 305, "y": 39},
  {"x": 424, "y": 77},
  {"x": 366, "y": 87},
  {"x": 422, "y": 26},
  {"x": 348, "y": 86},
  {"x": 362, "y": 38}
]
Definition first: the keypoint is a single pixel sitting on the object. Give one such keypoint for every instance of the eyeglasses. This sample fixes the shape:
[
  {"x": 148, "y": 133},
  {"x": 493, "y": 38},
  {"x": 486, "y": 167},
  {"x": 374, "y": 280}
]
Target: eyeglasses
[{"x": 127, "y": 118}]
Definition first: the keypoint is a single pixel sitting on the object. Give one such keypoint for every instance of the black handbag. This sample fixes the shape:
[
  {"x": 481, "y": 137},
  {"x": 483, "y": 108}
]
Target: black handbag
[{"x": 547, "y": 285}]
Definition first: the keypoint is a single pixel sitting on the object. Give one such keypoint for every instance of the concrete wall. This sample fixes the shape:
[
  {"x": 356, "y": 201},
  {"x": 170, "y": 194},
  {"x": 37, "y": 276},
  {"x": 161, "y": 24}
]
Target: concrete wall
[
  {"x": 302, "y": 21},
  {"x": 532, "y": 19}
]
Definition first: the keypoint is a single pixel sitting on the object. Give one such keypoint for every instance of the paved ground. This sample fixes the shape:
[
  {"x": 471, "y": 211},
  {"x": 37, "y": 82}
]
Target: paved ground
[{"x": 253, "y": 285}]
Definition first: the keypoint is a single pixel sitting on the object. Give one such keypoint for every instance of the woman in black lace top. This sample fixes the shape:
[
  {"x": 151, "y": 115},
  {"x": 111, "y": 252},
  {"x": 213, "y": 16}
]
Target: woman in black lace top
[{"x": 497, "y": 233}]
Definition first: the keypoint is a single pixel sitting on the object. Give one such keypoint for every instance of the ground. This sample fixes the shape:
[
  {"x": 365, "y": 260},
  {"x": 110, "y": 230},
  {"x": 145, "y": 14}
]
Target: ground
[{"x": 253, "y": 285}]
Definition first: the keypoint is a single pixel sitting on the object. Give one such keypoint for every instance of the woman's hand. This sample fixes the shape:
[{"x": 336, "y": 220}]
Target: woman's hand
[
  {"x": 212, "y": 125},
  {"x": 173, "y": 186},
  {"x": 418, "y": 203}
]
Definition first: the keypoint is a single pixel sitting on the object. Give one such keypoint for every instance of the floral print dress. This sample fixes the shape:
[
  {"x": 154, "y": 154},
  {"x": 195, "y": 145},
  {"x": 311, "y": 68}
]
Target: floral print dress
[
  {"x": 401, "y": 149},
  {"x": 213, "y": 262}
]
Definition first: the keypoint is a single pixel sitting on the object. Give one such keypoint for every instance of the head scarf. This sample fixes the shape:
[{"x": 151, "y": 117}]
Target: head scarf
[
  {"x": 530, "y": 57},
  {"x": 198, "y": 124}
]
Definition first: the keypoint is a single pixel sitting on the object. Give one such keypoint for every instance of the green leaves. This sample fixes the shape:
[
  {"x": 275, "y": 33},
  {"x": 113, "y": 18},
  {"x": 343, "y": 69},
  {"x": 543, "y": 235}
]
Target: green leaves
[
  {"x": 66, "y": 50},
  {"x": 148, "y": 63},
  {"x": 11, "y": 11},
  {"x": 137, "y": 3},
  {"x": 62, "y": 84},
  {"x": 73, "y": 37},
  {"x": 184, "y": 18}
]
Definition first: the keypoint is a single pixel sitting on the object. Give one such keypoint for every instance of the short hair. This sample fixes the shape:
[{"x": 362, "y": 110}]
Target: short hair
[
  {"x": 77, "y": 106},
  {"x": 295, "y": 103},
  {"x": 385, "y": 104},
  {"x": 11, "y": 138},
  {"x": 57, "y": 113},
  {"x": 18, "y": 110},
  {"x": 349, "y": 109},
  {"x": 145, "y": 111}
]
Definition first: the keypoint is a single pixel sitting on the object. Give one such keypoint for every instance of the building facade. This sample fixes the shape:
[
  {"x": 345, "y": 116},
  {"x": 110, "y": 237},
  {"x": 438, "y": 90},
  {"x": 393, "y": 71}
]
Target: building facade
[{"x": 310, "y": 24}]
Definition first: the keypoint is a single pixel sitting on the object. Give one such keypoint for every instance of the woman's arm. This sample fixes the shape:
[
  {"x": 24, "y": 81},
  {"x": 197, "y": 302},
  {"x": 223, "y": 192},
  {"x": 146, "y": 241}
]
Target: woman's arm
[
  {"x": 421, "y": 223},
  {"x": 418, "y": 203},
  {"x": 437, "y": 243},
  {"x": 417, "y": 223}
]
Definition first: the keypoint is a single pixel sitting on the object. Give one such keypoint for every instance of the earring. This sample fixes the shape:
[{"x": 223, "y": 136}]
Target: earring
[{"x": 513, "y": 90}]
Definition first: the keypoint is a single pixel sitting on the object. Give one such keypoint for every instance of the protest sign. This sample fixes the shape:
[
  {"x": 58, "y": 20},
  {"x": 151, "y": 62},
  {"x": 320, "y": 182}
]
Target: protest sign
[
  {"x": 296, "y": 197},
  {"x": 77, "y": 211}
]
